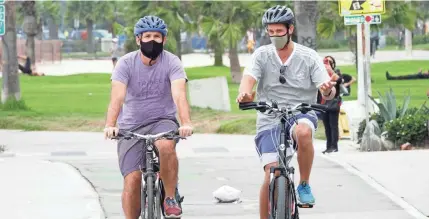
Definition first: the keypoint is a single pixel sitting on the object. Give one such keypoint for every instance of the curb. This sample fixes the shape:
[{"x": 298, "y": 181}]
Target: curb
[{"x": 377, "y": 186}]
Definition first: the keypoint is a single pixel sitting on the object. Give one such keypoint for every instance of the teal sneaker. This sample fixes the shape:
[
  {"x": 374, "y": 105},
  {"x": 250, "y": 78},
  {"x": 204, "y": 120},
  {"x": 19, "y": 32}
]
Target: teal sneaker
[{"x": 305, "y": 195}]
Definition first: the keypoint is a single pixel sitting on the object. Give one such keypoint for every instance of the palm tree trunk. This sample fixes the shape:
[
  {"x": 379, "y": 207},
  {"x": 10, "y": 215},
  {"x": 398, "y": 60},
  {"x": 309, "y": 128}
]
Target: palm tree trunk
[
  {"x": 306, "y": 21},
  {"x": 178, "y": 44},
  {"x": 53, "y": 28},
  {"x": 11, "y": 88},
  {"x": 218, "y": 51},
  {"x": 90, "y": 40},
  {"x": 234, "y": 63},
  {"x": 31, "y": 29}
]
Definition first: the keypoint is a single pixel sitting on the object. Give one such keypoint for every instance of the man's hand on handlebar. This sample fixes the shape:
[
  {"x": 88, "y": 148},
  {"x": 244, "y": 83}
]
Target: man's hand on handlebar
[
  {"x": 110, "y": 132},
  {"x": 186, "y": 130},
  {"x": 245, "y": 97}
]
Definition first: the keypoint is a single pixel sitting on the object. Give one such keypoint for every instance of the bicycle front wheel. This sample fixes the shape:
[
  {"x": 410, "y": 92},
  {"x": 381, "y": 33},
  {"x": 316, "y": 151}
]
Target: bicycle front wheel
[
  {"x": 285, "y": 204},
  {"x": 150, "y": 190},
  {"x": 281, "y": 197}
]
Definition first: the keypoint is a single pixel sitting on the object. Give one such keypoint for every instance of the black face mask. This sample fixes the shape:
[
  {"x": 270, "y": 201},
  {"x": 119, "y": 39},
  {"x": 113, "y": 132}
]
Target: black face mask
[{"x": 151, "y": 49}]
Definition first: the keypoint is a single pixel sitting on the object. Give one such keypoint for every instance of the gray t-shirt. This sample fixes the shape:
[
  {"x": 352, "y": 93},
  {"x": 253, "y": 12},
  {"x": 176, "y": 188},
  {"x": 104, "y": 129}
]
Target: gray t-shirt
[
  {"x": 148, "y": 97},
  {"x": 304, "y": 74}
]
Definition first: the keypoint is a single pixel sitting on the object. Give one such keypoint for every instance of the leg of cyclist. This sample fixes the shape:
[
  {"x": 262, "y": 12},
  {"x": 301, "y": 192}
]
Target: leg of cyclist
[
  {"x": 169, "y": 166},
  {"x": 266, "y": 143},
  {"x": 131, "y": 158},
  {"x": 302, "y": 134}
]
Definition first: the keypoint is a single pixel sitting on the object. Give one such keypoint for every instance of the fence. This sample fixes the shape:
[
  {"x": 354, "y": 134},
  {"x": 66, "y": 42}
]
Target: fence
[{"x": 45, "y": 50}]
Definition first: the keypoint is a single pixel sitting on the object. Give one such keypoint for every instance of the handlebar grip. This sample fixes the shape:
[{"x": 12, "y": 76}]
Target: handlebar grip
[
  {"x": 247, "y": 106},
  {"x": 319, "y": 107}
]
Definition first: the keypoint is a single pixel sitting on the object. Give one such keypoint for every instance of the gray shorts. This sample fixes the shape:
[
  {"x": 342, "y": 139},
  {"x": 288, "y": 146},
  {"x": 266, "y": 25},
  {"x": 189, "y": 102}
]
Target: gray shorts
[
  {"x": 131, "y": 153},
  {"x": 267, "y": 141}
]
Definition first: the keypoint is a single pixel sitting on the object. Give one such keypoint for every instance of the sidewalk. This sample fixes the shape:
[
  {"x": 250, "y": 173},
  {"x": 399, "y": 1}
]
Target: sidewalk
[
  {"x": 402, "y": 175},
  {"x": 68, "y": 67},
  {"x": 32, "y": 188},
  {"x": 391, "y": 181}
]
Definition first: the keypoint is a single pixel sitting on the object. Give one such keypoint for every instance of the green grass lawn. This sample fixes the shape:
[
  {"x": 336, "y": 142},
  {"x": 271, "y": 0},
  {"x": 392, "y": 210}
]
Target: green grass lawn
[{"x": 79, "y": 102}]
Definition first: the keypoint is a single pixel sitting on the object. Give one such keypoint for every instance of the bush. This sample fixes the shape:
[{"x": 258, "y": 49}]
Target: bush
[
  {"x": 330, "y": 44},
  {"x": 392, "y": 41},
  {"x": 420, "y": 39},
  {"x": 411, "y": 128}
]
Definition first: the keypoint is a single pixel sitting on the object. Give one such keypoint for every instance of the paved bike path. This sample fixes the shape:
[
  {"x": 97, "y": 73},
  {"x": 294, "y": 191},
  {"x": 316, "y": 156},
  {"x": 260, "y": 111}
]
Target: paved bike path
[{"x": 206, "y": 163}]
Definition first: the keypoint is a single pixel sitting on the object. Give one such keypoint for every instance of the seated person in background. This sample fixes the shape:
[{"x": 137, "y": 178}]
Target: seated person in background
[
  {"x": 419, "y": 75},
  {"x": 348, "y": 80},
  {"x": 27, "y": 68}
]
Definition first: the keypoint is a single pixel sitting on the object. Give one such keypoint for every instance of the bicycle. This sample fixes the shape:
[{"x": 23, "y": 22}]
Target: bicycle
[
  {"x": 152, "y": 188},
  {"x": 282, "y": 186}
]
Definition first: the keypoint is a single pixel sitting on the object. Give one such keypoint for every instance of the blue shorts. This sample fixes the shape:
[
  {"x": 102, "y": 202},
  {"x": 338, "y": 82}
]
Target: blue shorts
[{"x": 268, "y": 140}]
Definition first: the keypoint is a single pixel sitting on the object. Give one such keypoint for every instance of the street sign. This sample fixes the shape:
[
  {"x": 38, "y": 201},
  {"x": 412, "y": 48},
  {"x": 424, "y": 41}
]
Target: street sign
[
  {"x": 353, "y": 19},
  {"x": 360, "y": 19},
  {"x": 373, "y": 18},
  {"x": 354, "y": 7},
  {"x": 2, "y": 20}
]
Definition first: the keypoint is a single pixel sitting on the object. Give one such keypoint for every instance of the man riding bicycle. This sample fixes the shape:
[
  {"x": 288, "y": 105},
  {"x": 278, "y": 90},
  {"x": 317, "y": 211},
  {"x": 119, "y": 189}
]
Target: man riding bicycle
[
  {"x": 147, "y": 86},
  {"x": 290, "y": 74}
]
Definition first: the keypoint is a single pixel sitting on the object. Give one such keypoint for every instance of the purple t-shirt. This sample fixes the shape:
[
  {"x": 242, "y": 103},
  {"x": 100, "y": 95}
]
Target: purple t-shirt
[{"x": 148, "y": 97}]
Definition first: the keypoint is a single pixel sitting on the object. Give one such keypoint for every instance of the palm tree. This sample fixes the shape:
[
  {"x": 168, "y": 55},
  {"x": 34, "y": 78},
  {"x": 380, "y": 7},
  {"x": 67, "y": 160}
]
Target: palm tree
[
  {"x": 51, "y": 11},
  {"x": 11, "y": 89},
  {"x": 227, "y": 23},
  {"x": 90, "y": 12},
  {"x": 306, "y": 13},
  {"x": 31, "y": 28}
]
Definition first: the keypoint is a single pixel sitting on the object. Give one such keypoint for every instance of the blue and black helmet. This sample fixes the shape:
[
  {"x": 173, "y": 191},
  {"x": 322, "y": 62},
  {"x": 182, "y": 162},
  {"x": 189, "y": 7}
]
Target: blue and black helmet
[
  {"x": 278, "y": 15},
  {"x": 150, "y": 23}
]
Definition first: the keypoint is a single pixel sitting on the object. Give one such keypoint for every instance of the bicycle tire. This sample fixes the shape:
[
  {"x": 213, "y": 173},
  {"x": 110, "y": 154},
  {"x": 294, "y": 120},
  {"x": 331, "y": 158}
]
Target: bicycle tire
[
  {"x": 150, "y": 196},
  {"x": 281, "y": 197},
  {"x": 291, "y": 208},
  {"x": 158, "y": 202},
  {"x": 143, "y": 201}
]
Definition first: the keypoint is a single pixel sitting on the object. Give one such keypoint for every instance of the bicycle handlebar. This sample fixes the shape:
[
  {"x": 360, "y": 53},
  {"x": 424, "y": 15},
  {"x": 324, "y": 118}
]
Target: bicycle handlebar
[
  {"x": 263, "y": 106},
  {"x": 170, "y": 135}
]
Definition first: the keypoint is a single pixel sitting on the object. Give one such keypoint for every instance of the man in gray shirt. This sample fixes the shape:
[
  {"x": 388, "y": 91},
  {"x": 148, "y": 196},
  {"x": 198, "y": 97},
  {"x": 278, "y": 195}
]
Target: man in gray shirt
[{"x": 290, "y": 74}]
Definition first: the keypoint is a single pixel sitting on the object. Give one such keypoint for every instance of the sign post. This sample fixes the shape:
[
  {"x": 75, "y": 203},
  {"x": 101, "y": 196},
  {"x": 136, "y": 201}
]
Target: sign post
[
  {"x": 362, "y": 13},
  {"x": 2, "y": 19}
]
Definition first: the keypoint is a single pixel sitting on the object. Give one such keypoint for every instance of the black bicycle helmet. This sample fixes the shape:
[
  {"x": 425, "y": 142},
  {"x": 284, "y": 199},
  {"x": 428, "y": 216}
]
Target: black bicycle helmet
[{"x": 278, "y": 15}]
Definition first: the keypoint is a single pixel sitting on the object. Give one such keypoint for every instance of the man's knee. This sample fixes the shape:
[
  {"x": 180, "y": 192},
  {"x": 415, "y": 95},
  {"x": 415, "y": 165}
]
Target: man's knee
[
  {"x": 166, "y": 147},
  {"x": 303, "y": 132},
  {"x": 132, "y": 181}
]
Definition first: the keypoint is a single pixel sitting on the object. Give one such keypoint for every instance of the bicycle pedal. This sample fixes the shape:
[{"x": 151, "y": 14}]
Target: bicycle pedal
[{"x": 301, "y": 205}]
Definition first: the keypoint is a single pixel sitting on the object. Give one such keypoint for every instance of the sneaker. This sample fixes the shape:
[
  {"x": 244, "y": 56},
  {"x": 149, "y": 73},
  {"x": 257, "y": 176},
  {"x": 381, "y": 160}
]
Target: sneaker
[
  {"x": 171, "y": 208},
  {"x": 305, "y": 195}
]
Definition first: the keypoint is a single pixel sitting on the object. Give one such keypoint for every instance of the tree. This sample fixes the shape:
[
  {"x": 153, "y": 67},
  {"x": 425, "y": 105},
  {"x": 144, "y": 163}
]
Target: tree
[
  {"x": 90, "y": 12},
  {"x": 228, "y": 23},
  {"x": 31, "y": 28},
  {"x": 11, "y": 89},
  {"x": 51, "y": 11},
  {"x": 306, "y": 13}
]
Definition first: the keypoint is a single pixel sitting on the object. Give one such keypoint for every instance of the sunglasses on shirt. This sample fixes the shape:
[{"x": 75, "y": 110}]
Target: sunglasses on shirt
[{"x": 282, "y": 78}]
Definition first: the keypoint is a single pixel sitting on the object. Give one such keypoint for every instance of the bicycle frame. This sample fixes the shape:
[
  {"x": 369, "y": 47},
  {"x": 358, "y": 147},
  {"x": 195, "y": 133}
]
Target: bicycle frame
[{"x": 283, "y": 166}]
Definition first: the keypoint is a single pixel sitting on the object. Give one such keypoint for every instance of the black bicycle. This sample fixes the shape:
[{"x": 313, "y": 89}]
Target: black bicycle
[
  {"x": 282, "y": 187},
  {"x": 152, "y": 192}
]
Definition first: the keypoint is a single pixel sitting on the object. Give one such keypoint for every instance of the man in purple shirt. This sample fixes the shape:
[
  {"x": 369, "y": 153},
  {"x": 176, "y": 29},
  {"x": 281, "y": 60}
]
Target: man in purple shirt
[{"x": 147, "y": 86}]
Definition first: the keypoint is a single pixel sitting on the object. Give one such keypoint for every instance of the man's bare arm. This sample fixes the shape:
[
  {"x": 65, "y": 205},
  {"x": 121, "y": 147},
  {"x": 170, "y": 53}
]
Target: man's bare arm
[
  {"x": 178, "y": 91},
  {"x": 117, "y": 98},
  {"x": 247, "y": 83}
]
